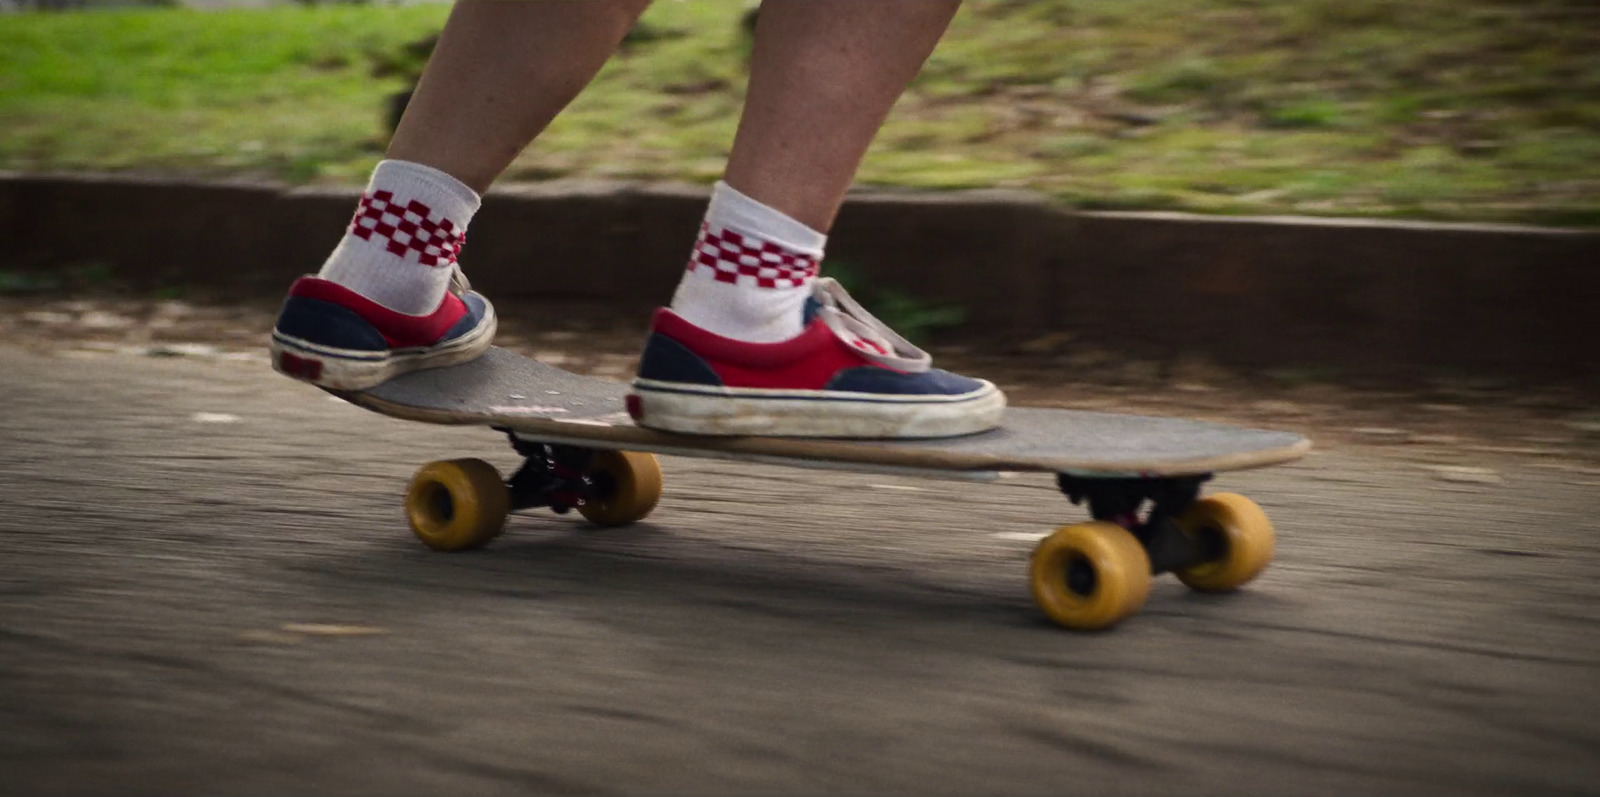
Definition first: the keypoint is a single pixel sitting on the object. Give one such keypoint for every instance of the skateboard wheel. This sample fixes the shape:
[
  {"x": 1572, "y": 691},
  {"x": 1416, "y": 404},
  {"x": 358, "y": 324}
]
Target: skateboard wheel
[
  {"x": 629, "y": 483},
  {"x": 1088, "y": 576},
  {"x": 457, "y": 504},
  {"x": 1239, "y": 537}
]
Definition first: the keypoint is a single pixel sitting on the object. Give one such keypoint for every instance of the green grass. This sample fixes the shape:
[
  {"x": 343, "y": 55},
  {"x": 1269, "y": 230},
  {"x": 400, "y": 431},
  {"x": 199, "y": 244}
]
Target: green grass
[{"x": 1451, "y": 109}]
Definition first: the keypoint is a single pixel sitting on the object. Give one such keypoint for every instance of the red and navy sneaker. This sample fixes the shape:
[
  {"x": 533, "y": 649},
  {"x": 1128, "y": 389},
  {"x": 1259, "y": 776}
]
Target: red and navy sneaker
[
  {"x": 335, "y": 338},
  {"x": 845, "y": 375}
]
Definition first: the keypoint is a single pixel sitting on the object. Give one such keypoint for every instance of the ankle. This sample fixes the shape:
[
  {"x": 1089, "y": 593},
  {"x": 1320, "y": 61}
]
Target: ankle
[
  {"x": 750, "y": 272},
  {"x": 401, "y": 247}
]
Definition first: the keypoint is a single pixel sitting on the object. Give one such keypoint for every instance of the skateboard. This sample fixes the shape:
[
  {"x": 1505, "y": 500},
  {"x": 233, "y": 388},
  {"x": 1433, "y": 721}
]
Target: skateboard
[{"x": 1139, "y": 477}]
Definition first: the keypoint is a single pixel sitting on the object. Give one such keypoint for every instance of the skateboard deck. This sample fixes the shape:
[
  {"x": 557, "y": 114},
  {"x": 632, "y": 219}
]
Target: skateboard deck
[
  {"x": 1139, "y": 476},
  {"x": 545, "y": 403}
]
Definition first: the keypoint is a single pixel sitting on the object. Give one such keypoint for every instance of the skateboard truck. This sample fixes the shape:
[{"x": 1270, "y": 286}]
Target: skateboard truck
[
  {"x": 554, "y": 476},
  {"x": 1120, "y": 500}
]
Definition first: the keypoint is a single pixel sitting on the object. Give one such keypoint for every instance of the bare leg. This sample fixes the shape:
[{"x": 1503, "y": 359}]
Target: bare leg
[
  {"x": 501, "y": 71},
  {"x": 823, "y": 77},
  {"x": 381, "y": 304}
]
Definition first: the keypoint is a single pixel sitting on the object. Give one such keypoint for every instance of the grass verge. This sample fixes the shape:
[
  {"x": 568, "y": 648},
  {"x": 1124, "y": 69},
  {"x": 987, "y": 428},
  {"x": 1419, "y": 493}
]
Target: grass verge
[{"x": 1447, "y": 109}]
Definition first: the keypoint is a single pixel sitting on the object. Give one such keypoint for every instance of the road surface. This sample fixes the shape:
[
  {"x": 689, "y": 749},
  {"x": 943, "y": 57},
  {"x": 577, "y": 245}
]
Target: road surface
[{"x": 207, "y": 587}]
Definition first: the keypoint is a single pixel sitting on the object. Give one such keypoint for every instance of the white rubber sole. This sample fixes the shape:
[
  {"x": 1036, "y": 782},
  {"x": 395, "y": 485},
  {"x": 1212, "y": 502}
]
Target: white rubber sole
[
  {"x": 700, "y": 409},
  {"x": 351, "y": 369}
]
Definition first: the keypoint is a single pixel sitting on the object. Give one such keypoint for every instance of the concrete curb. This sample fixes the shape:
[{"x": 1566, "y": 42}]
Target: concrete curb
[{"x": 1367, "y": 296}]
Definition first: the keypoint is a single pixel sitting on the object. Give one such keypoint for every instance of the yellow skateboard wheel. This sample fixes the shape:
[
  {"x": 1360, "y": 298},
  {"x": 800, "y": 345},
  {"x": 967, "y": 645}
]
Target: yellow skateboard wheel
[
  {"x": 457, "y": 504},
  {"x": 630, "y": 487},
  {"x": 1089, "y": 576},
  {"x": 1240, "y": 534}
]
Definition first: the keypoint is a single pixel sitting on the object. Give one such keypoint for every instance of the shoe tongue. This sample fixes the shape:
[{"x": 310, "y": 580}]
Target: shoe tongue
[{"x": 855, "y": 326}]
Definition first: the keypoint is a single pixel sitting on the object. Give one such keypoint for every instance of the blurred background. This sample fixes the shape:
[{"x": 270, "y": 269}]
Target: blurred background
[
  {"x": 1481, "y": 110},
  {"x": 1448, "y": 109},
  {"x": 1033, "y": 126},
  {"x": 1376, "y": 223}
]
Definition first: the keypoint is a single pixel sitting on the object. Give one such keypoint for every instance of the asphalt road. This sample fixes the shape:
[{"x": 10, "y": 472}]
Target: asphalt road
[{"x": 206, "y": 586}]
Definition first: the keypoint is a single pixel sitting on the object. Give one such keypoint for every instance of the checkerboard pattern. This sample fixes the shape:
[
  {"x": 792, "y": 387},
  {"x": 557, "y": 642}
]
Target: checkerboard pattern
[
  {"x": 406, "y": 229},
  {"x": 730, "y": 257}
]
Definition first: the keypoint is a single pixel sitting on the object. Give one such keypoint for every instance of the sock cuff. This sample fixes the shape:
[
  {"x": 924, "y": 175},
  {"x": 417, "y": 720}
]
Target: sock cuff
[
  {"x": 458, "y": 199},
  {"x": 732, "y": 209}
]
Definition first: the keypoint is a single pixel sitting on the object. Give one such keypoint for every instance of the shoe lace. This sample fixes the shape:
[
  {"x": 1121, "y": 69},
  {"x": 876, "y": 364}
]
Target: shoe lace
[
  {"x": 866, "y": 334},
  {"x": 458, "y": 282}
]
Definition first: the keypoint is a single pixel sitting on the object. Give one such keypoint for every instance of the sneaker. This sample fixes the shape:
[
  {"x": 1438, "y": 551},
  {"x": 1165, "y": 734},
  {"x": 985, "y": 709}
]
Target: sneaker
[
  {"x": 335, "y": 338},
  {"x": 845, "y": 375}
]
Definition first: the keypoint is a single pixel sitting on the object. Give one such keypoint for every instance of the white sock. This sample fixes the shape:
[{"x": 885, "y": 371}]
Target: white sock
[
  {"x": 750, "y": 272},
  {"x": 401, "y": 247}
]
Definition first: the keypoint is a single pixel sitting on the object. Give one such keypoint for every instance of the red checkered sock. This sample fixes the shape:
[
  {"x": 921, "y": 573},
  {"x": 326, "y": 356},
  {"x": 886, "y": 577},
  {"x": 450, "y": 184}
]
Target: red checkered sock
[
  {"x": 401, "y": 246},
  {"x": 751, "y": 270}
]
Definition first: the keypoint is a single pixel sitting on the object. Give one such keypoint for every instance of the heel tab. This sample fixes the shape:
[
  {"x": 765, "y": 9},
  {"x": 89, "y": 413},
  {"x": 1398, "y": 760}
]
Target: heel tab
[
  {"x": 310, "y": 286},
  {"x": 664, "y": 315}
]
